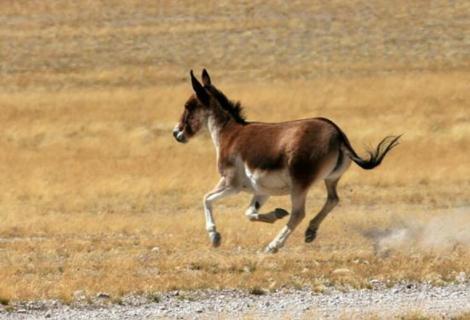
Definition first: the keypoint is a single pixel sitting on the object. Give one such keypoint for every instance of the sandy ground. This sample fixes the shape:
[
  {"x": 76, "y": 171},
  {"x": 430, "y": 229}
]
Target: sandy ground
[{"x": 405, "y": 299}]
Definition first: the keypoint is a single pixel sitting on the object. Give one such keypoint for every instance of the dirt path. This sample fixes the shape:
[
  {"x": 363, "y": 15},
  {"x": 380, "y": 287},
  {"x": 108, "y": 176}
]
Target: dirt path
[{"x": 443, "y": 302}]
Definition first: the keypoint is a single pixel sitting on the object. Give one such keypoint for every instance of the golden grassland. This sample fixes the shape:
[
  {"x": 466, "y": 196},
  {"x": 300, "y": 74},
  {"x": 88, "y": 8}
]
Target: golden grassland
[
  {"x": 96, "y": 195},
  {"x": 93, "y": 181}
]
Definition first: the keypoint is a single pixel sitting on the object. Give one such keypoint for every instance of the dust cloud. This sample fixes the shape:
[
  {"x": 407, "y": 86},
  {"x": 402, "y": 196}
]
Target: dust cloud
[{"x": 443, "y": 231}]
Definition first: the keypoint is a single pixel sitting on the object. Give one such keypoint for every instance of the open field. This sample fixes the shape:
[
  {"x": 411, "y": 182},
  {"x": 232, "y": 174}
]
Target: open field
[{"x": 96, "y": 195}]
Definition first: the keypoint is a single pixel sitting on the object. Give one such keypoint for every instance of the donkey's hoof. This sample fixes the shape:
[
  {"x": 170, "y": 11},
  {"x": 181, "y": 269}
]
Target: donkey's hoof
[
  {"x": 215, "y": 239},
  {"x": 310, "y": 235},
  {"x": 280, "y": 213},
  {"x": 271, "y": 250}
]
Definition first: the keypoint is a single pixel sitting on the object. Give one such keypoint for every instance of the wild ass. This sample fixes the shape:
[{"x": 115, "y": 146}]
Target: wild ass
[{"x": 267, "y": 159}]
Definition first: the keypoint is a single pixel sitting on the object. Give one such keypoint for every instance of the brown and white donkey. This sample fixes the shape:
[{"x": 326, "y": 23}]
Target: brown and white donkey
[{"x": 267, "y": 159}]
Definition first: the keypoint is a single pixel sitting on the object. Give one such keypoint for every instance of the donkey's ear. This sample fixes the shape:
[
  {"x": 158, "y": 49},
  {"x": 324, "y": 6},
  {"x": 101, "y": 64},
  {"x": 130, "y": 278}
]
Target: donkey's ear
[
  {"x": 199, "y": 89},
  {"x": 206, "y": 80}
]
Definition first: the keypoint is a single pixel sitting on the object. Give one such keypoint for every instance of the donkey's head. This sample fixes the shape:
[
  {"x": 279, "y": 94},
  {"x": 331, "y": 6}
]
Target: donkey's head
[{"x": 196, "y": 110}]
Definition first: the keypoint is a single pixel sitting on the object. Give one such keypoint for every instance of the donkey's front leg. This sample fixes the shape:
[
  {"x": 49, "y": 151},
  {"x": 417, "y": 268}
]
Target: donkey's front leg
[
  {"x": 223, "y": 189},
  {"x": 298, "y": 213},
  {"x": 270, "y": 217}
]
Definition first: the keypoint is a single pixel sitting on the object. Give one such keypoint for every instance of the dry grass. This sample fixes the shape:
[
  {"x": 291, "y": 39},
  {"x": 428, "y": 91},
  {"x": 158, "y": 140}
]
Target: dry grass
[{"x": 91, "y": 180}]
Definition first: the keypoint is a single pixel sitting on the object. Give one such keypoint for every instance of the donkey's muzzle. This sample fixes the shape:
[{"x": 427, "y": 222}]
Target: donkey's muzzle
[{"x": 179, "y": 136}]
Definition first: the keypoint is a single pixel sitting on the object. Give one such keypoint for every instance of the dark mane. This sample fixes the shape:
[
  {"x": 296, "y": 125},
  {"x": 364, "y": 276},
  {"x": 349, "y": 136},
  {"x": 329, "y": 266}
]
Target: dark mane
[{"x": 234, "y": 109}]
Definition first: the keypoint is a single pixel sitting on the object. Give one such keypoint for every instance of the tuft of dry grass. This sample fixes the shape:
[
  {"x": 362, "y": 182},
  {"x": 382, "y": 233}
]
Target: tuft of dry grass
[{"x": 95, "y": 195}]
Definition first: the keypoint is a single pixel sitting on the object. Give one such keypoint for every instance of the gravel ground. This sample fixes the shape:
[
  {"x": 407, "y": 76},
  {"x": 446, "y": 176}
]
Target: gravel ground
[{"x": 443, "y": 302}]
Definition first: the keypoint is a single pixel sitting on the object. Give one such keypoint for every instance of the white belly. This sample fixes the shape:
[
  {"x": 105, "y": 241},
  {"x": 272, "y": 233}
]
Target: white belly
[{"x": 275, "y": 182}]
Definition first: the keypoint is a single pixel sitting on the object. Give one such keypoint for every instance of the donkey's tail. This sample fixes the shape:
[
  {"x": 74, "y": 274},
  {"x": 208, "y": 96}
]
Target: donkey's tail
[{"x": 375, "y": 156}]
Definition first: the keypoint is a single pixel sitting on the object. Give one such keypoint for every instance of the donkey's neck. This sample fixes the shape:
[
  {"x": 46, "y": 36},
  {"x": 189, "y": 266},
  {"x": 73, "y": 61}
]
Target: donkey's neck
[
  {"x": 215, "y": 127},
  {"x": 218, "y": 124}
]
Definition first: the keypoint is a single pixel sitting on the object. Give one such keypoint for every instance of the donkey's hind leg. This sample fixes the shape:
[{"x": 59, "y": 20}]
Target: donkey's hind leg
[
  {"x": 270, "y": 217},
  {"x": 297, "y": 215},
  {"x": 331, "y": 202}
]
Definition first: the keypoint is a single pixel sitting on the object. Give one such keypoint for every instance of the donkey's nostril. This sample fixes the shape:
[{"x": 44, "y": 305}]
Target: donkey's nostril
[{"x": 179, "y": 135}]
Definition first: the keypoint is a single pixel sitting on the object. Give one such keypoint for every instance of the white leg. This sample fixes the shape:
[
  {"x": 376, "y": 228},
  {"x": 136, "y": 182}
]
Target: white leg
[
  {"x": 298, "y": 213},
  {"x": 219, "y": 192},
  {"x": 256, "y": 203}
]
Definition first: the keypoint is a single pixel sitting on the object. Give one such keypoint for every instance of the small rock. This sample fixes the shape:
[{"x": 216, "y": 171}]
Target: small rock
[
  {"x": 79, "y": 295},
  {"x": 341, "y": 271},
  {"x": 155, "y": 249},
  {"x": 461, "y": 277},
  {"x": 247, "y": 269},
  {"x": 103, "y": 295},
  {"x": 48, "y": 314},
  {"x": 360, "y": 261}
]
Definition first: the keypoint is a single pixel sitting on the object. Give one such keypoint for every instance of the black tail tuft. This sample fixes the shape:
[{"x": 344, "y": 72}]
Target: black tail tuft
[{"x": 376, "y": 156}]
